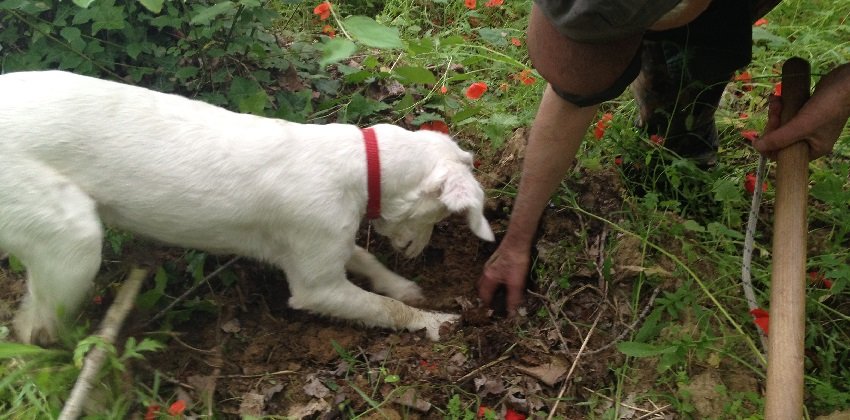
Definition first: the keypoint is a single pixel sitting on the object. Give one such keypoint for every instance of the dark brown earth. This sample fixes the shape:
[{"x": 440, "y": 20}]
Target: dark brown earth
[{"x": 255, "y": 356}]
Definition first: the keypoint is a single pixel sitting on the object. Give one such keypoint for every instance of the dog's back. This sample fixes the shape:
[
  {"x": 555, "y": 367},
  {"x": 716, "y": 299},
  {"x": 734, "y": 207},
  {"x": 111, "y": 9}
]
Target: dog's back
[
  {"x": 76, "y": 150},
  {"x": 149, "y": 160}
]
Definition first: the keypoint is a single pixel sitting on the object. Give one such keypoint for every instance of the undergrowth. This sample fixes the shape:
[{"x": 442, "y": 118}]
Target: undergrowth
[{"x": 413, "y": 63}]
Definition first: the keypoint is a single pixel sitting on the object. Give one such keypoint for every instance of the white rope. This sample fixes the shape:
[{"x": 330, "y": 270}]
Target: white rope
[{"x": 746, "y": 272}]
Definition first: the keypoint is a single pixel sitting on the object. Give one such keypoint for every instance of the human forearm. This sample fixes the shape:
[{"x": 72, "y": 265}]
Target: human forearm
[{"x": 552, "y": 146}]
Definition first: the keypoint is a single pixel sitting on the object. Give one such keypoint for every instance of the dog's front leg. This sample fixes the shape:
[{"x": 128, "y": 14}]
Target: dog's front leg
[
  {"x": 320, "y": 287},
  {"x": 382, "y": 279}
]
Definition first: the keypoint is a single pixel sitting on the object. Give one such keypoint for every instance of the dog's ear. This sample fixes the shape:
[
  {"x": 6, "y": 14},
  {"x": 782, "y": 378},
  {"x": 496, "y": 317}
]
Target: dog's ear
[{"x": 461, "y": 192}]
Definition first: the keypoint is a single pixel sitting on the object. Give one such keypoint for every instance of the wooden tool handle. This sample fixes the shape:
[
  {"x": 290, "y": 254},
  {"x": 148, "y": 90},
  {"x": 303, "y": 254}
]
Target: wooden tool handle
[{"x": 784, "y": 399}]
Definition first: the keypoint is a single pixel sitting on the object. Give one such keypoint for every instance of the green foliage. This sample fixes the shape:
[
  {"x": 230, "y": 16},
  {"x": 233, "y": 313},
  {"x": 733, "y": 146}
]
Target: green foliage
[{"x": 388, "y": 62}]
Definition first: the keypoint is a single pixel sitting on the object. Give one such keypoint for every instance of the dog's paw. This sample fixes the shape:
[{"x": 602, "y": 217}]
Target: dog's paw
[
  {"x": 401, "y": 289},
  {"x": 434, "y": 322},
  {"x": 34, "y": 327}
]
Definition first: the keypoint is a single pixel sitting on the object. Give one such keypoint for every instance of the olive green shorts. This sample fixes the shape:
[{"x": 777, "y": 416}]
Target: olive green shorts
[{"x": 595, "y": 21}]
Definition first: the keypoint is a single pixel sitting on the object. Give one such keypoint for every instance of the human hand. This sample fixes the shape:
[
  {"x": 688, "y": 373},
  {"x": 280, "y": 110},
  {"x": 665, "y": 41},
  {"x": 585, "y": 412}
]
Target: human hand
[
  {"x": 818, "y": 123},
  {"x": 508, "y": 268}
]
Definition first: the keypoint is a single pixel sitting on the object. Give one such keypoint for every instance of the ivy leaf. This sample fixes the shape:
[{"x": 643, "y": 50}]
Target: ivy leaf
[
  {"x": 425, "y": 117},
  {"x": 105, "y": 16},
  {"x": 248, "y": 96},
  {"x": 73, "y": 36},
  {"x": 360, "y": 106},
  {"x": 415, "y": 74},
  {"x": 371, "y": 33},
  {"x": 207, "y": 14},
  {"x": 154, "y": 6},
  {"x": 336, "y": 50},
  {"x": 134, "y": 49}
]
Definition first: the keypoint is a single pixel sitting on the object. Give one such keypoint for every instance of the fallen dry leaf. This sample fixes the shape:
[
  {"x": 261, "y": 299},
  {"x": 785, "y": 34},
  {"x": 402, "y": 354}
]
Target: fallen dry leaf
[
  {"x": 252, "y": 405},
  {"x": 412, "y": 400},
  {"x": 315, "y": 388},
  {"x": 549, "y": 373},
  {"x": 270, "y": 391},
  {"x": 232, "y": 327},
  {"x": 485, "y": 385},
  {"x": 306, "y": 410}
]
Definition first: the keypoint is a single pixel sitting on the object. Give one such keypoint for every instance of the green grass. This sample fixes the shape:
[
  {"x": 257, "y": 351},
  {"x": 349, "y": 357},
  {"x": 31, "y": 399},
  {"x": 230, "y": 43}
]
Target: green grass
[{"x": 686, "y": 224}]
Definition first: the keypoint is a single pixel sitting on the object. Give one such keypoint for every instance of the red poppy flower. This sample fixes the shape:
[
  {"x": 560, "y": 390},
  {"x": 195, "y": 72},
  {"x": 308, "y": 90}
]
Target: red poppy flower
[
  {"x": 177, "y": 408},
  {"x": 751, "y": 135},
  {"x": 602, "y": 124},
  {"x": 762, "y": 318},
  {"x": 777, "y": 89},
  {"x": 494, "y": 3},
  {"x": 750, "y": 183},
  {"x": 760, "y": 22},
  {"x": 329, "y": 31},
  {"x": 818, "y": 279},
  {"x": 323, "y": 10},
  {"x": 525, "y": 77},
  {"x": 513, "y": 415},
  {"x": 483, "y": 410},
  {"x": 470, "y": 4},
  {"x": 746, "y": 81},
  {"x": 443, "y": 89},
  {"x": 618, "y": 161},
  {"x": 153, "y": 410},
  {"x": 743, "y": 116},
  {"x": 475, "y": 90},
  {"x": 516, "y": 42},
  {"x": 657, "y": 139},
  {"x": 435, "y": 125}
]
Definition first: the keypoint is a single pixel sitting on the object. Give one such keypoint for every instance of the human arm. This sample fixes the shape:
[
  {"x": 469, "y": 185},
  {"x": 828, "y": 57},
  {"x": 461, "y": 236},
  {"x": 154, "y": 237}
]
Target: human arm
[
  {"x": 554, "y": 140},
  {"x": 819, "y": 122},
  {"x": 552, "y": 146}
]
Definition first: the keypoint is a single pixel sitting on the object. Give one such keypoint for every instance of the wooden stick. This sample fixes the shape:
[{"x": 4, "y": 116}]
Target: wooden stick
[
  {"x": 108, "y": 331},
  {"x": 784, "y": 399}
]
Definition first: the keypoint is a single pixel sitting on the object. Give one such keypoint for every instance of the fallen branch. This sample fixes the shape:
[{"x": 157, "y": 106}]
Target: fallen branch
[
  {"x": 573, "y": 367},
  {"x": 505, "y": 356},
  {"x": 108, "y": 332},
  {"x": 643, "y": 314},
  {"x": 191, "y": 290}
]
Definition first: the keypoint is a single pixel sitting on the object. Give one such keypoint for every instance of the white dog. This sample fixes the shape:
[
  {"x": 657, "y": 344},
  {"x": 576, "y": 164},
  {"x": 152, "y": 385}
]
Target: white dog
[{"x": 76, "y": 150}]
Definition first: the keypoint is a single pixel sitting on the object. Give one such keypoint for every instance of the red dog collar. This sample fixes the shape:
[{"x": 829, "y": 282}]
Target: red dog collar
[{"x": 373, "y": 168}]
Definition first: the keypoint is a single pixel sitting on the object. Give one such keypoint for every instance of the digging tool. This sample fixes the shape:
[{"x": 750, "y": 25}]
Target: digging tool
[{"x": 785, "y": 357}]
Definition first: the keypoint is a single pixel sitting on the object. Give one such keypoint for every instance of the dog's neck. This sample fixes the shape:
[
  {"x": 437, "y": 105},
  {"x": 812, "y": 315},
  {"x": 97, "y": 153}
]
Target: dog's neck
[{"x": 373, "y": 173}]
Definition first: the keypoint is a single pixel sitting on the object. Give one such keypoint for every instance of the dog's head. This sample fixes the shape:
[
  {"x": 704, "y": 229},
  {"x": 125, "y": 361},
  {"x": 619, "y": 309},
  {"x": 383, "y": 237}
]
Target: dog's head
[{"x": 447, "y": 188}]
